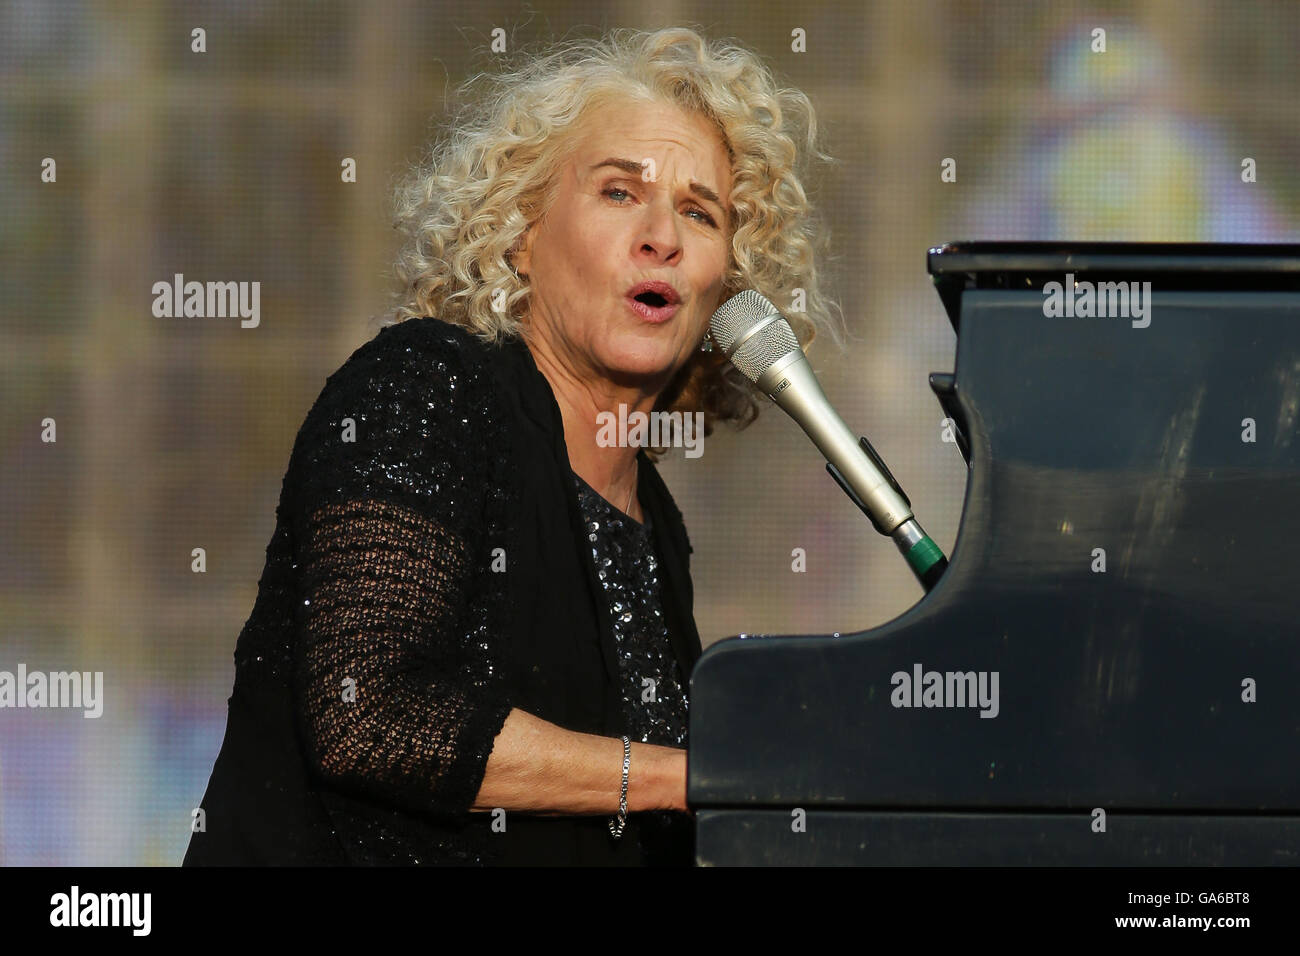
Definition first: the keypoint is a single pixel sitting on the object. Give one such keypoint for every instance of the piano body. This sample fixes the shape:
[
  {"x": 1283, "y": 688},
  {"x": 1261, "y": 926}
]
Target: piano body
[{"x": 1144, "y": 714}]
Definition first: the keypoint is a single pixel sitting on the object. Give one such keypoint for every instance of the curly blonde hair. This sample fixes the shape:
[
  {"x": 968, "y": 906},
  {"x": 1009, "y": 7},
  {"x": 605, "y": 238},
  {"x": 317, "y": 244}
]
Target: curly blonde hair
[{"x": 466, "y": 207}]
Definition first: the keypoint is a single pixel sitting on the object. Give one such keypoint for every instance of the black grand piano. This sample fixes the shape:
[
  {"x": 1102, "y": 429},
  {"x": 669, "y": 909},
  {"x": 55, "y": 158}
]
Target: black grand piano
[{"x": 1125, "y": 570}]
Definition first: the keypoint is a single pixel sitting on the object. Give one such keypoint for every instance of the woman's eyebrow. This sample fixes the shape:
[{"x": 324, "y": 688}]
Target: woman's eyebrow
[{"x": 632, "y": 166}]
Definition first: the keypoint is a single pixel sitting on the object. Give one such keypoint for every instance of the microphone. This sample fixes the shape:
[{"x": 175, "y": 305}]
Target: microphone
[{"x": 758, "y": 340}]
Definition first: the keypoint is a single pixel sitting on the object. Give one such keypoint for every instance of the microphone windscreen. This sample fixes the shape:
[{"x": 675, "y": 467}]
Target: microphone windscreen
[{"x": 737, "y": 318}]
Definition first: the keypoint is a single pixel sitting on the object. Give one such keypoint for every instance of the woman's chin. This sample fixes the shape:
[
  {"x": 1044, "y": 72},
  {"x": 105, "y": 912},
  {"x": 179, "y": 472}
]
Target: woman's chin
[{"x": 643, "y": 360}]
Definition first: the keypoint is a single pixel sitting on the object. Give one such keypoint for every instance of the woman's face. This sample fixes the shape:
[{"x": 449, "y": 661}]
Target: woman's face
[{"x": 660, "y": 215}]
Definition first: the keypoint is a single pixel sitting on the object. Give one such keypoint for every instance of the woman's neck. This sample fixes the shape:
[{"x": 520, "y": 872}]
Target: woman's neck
[{"x": 610, "y": 469}]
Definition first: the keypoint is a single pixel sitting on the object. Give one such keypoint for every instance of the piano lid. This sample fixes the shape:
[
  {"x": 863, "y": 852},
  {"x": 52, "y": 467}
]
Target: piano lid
[
  {"x": 957, "y": 266},
  {"x": 1124, "y": 571}
]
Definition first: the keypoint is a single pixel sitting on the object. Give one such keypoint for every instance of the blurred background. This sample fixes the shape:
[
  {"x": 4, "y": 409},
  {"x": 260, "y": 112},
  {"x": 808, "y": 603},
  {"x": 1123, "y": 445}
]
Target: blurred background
[{"x": 174, "y": 433}]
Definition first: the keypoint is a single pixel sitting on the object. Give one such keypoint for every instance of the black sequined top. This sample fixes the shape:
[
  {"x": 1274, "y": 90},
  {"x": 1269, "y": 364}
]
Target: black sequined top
[
  {"x": 431, "y": 570},
  {"x": 654, "y": 697}
]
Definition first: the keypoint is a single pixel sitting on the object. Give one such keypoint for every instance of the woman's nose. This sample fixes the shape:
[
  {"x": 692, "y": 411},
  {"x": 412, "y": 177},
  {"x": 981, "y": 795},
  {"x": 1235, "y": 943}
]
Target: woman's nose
[{"x": 660, "y": 228}]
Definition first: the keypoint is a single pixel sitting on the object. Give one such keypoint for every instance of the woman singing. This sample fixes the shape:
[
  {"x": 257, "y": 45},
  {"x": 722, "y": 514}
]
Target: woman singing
[{"x": 474, "y": 634}]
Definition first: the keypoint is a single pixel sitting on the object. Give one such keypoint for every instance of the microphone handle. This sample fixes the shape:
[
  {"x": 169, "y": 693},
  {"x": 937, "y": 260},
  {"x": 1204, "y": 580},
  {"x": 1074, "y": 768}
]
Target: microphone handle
[
  {"x": 923, "y": 555},
  {"x": 853, "y": 463}
]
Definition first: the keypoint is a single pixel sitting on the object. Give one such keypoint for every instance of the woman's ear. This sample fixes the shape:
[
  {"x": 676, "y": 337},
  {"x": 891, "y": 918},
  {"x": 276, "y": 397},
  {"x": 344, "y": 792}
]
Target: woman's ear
[{"x": 521, "y": 255}]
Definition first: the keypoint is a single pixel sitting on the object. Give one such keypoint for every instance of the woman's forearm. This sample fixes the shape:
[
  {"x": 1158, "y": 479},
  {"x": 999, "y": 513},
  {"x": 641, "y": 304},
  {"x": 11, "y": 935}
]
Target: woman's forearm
[{"x": 538, "y": 767}]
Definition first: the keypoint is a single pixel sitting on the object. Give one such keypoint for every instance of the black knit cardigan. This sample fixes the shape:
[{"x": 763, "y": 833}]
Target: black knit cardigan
[{"x": 429, "y": 570}]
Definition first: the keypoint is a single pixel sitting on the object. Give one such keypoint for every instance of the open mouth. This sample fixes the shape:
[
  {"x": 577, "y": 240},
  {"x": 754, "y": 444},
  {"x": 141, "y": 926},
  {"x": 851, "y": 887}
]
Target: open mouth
[{"x": 654, "y": 300}]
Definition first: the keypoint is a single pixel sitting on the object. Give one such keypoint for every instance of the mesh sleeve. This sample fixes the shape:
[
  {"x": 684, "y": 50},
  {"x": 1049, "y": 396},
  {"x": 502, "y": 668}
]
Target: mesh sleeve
[{"x": 398, "y": 663}]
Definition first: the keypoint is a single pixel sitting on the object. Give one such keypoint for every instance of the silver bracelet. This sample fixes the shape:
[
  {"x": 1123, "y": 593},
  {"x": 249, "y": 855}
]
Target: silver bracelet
[{"x": 617, "y": 833}]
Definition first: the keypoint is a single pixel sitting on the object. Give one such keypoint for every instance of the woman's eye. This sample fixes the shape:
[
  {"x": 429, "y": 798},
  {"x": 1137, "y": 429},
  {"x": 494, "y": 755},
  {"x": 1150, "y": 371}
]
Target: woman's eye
[{"x": 610, "y": 191}]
